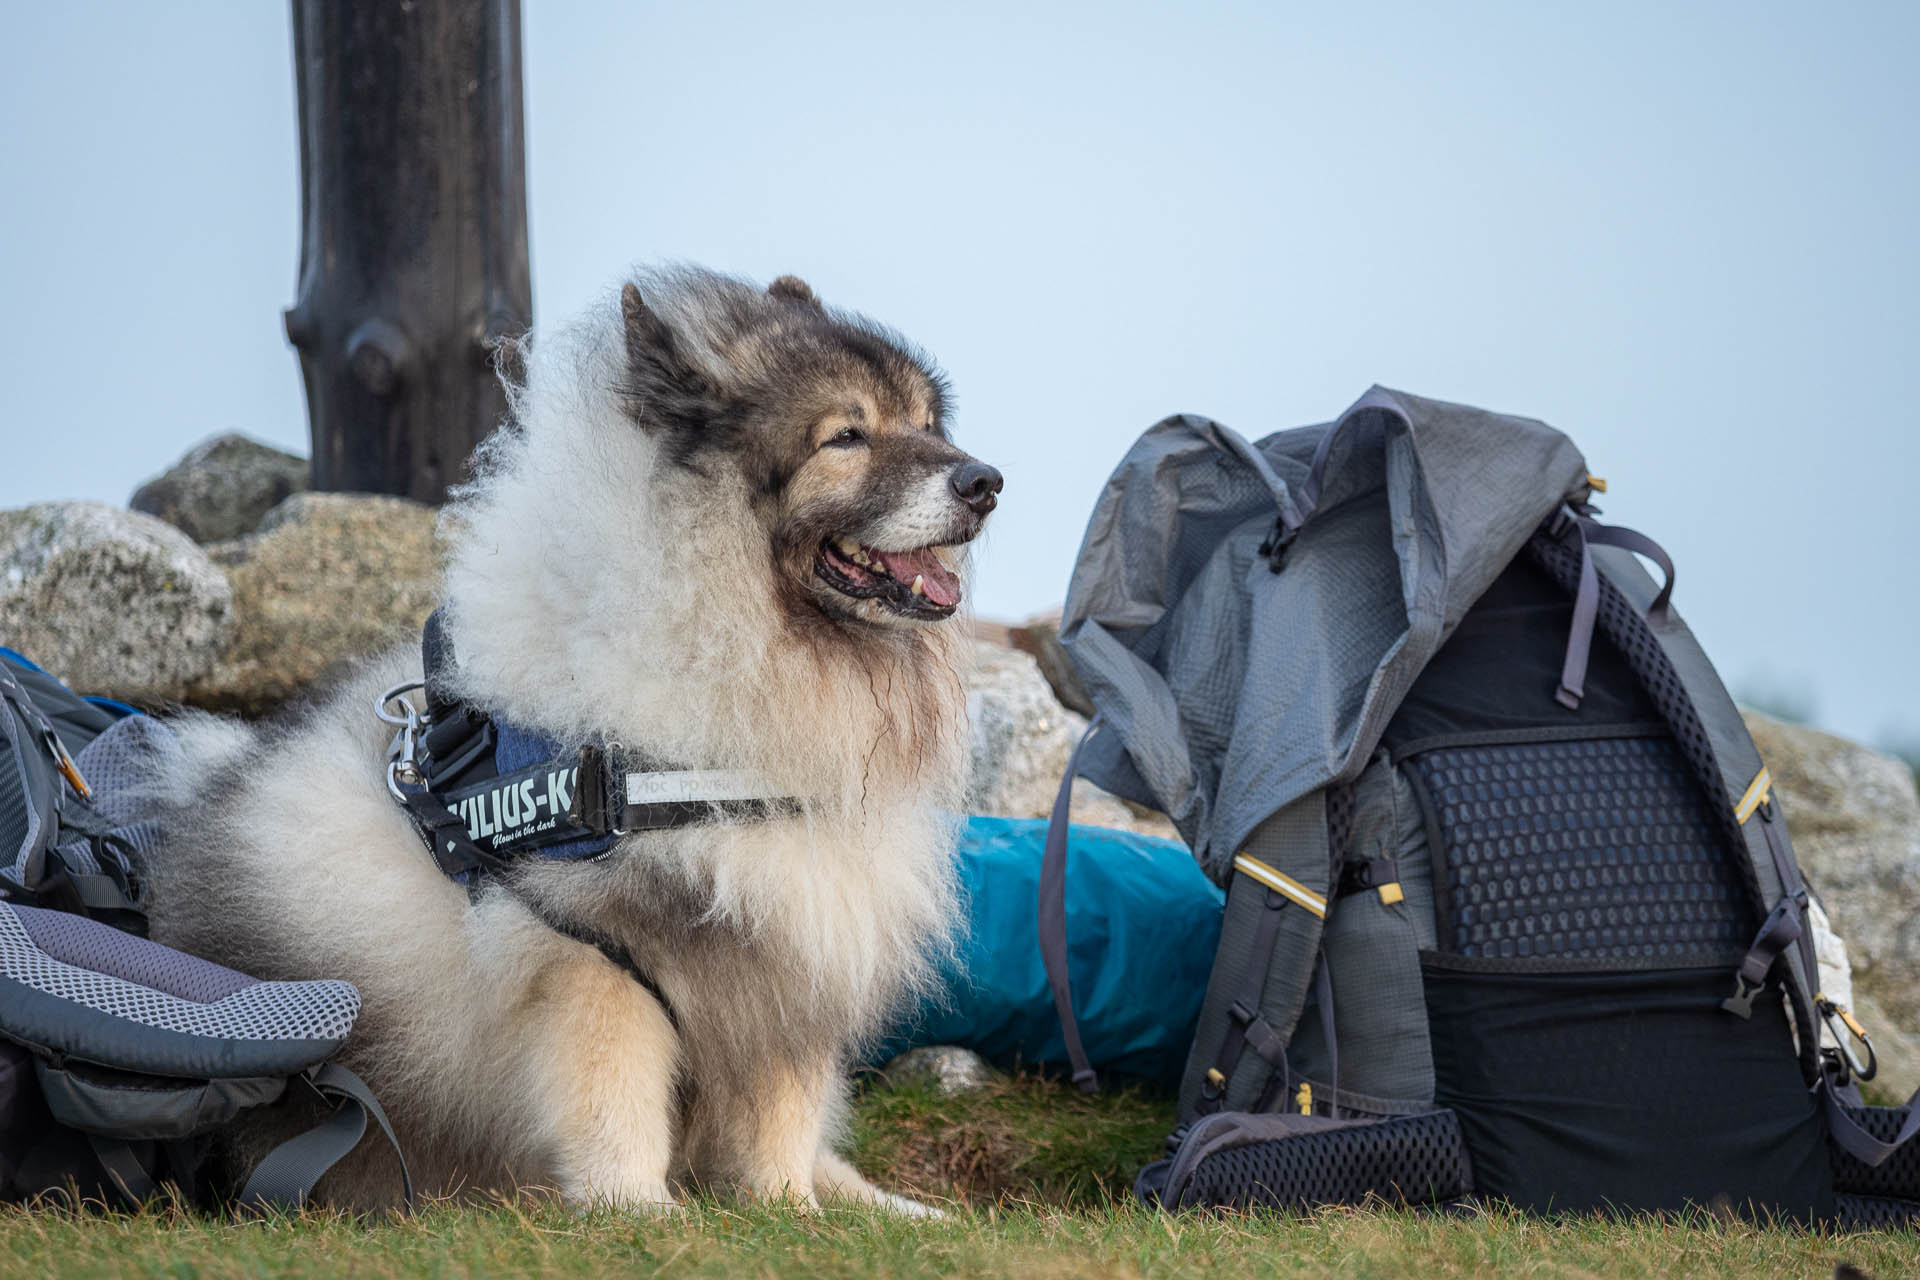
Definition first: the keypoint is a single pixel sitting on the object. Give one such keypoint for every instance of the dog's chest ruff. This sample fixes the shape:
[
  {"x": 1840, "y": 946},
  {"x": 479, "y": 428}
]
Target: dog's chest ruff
[{"x": 486, "y": 795}]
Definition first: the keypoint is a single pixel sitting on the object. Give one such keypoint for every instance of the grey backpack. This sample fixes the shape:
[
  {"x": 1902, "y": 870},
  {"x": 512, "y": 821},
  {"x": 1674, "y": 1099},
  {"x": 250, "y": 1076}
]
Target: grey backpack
[
  {"x": 1511, "y": 909},
  {"x": 122, "y": 1061}
]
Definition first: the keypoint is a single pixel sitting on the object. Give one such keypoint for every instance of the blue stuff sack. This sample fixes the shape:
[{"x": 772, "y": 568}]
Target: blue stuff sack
[{"x": 1144, "y": 923}]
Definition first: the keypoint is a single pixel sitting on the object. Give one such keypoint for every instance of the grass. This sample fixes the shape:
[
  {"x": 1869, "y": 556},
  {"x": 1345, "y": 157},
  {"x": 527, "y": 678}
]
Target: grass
[
  {"x": 1023, "y": 1139},
  {"x": 1034, "y": 1178}
]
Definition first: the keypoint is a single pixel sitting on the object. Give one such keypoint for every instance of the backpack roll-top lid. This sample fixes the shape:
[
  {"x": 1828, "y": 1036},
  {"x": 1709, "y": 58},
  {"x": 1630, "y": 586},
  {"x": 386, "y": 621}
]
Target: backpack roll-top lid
[
  {"x": 76, "y": 989},
  {"x": 1231, "y": 689}
]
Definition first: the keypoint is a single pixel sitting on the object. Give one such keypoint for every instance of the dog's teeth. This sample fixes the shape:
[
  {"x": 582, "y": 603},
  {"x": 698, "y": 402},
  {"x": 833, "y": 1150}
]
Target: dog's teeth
[
  {"x": 919, "y": 584},
  {"x": 847, "y": 546}
]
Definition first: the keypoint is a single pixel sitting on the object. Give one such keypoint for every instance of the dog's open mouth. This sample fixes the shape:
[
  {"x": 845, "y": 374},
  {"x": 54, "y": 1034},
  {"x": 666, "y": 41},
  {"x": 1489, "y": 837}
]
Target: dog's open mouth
[{"x": 918, "y": 584}]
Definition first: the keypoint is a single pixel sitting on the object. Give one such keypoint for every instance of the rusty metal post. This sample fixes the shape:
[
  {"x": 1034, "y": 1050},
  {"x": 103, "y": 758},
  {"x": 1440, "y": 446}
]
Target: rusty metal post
[{"x": 413, "y": 251}]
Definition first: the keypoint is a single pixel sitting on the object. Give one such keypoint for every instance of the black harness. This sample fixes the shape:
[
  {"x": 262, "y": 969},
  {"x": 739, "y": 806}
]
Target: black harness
[{"x": 486, "y": 795}]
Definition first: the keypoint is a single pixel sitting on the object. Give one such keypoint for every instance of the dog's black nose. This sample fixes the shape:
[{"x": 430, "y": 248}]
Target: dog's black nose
[{"x": 975, "y": 483}]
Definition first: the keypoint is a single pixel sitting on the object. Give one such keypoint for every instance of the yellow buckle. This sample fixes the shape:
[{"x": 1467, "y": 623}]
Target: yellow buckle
[{"x": 1215, "y": 1079}]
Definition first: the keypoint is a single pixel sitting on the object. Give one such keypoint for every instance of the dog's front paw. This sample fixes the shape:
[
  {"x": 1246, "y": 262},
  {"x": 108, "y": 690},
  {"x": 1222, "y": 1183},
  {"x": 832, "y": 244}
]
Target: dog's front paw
[{"x": 904, "y": 1206}]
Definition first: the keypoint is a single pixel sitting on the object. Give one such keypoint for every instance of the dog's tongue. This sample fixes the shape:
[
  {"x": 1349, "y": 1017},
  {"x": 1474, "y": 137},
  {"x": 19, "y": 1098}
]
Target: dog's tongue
[{"x": 936, "y": 579}]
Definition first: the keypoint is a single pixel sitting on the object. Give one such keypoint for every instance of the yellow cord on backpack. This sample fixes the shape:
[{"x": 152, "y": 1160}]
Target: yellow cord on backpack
[
  {"x": 68, "y": 769},
  {"x": 1304, "y": 1099}
]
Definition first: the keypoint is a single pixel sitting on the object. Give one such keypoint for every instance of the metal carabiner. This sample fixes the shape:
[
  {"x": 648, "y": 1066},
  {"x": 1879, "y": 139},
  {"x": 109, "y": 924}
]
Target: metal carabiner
[
  {"x": 1842, "y": 1024},
  {"x": 64, "y": 763},
  {"x": 403, "y": 753}
]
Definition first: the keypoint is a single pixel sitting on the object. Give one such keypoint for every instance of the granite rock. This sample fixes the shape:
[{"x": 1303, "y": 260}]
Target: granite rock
[
  {"x": 327, "y": 578},
  {"x": 1022, "y": 738},
  {"x": 222, "y": 487},
  {"x": 113, "y": 602},
  {"x": 949, "y": 1068}
]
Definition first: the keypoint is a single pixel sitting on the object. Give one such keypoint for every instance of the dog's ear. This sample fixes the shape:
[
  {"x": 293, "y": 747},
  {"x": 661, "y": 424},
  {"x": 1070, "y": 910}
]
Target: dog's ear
[
  {"x": 794, "y": 289},
  {"x": 663, "y": 388},
  {"x": 649, "y": 341}
]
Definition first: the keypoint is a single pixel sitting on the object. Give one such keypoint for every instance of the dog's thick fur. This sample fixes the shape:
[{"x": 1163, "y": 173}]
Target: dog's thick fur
[{"x": 638, "y": 561}]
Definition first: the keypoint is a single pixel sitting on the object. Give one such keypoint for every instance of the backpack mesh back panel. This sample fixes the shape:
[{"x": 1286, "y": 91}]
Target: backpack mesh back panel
[
  {"x": 1589, "y": 914},
  {"x": 1597, "y": 851}
]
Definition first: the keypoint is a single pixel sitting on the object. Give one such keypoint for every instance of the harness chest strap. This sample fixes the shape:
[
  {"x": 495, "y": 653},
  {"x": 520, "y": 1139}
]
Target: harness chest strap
[{"x": 569, "y": 807}]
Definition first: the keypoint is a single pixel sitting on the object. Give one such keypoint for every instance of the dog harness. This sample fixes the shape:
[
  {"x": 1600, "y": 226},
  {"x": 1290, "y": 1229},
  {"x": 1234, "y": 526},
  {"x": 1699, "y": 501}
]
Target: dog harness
[{"x": 485, "y": 794}]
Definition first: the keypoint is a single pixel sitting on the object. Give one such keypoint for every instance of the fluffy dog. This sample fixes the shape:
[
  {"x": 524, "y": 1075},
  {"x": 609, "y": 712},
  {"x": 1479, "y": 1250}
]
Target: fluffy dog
[{"x": 724, "y": 526}]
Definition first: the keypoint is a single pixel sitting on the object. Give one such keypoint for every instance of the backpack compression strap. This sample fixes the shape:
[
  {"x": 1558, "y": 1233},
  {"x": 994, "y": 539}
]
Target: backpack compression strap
[
  {"x": 1053, "y": 918},
  {"x": 286, "y": 1176},
  {"x": 284, "y": 1179},
  {"x": 1586, "y": 597}
]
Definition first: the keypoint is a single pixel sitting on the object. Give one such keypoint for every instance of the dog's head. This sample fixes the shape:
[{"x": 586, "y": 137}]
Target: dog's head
[{"x": 835, "y": 427}]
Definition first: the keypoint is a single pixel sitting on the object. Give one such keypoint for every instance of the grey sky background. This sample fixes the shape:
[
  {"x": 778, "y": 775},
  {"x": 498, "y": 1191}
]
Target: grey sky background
[{"x": 1685, "y": 234}]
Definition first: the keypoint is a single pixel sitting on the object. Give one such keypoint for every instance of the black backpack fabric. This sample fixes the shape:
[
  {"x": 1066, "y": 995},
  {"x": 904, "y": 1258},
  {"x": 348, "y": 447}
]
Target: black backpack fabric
[
  {"x": 121, "y": 1060},
  {"x": 1511, "y": 910}
]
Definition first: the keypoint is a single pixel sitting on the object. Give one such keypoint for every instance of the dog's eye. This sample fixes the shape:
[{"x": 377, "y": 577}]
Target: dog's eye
[{"x": 852, "y": 435}]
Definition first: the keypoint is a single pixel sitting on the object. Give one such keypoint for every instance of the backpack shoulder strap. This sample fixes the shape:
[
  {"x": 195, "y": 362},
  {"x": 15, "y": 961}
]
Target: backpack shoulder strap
[{"x": 1674, "y": 670}]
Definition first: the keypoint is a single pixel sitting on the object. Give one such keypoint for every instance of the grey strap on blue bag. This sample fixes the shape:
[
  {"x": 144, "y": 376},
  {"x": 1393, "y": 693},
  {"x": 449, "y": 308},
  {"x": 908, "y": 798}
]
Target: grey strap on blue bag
[
  {"x": 286, "y": 1177},
  {"x": 1053, "y": 918}
]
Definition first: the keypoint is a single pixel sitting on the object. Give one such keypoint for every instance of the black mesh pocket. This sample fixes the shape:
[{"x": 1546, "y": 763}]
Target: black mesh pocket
[
  {"x": 1898, "y": 1176},
  {"x": 1413, "y": 1160},
  {"x": 1865, "y": 1213}
]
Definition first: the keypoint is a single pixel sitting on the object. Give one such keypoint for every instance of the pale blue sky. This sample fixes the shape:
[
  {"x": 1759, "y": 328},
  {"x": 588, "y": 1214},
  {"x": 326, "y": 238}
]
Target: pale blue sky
[{"x": 1684, "y": 233}]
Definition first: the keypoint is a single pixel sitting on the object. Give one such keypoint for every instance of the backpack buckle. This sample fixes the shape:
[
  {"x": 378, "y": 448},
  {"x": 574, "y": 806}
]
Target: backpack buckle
[
  {"x": 1277, "y": 542},
  {"x": 1741, "y": 1001}
]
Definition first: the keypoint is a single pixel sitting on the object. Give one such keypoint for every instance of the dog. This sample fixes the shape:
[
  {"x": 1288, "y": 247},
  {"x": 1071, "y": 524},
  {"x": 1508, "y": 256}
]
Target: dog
[{"x": 725, "y": 526}]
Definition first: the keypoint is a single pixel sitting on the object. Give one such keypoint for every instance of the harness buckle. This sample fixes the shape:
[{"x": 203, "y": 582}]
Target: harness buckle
[{"x": 591, "y": 807}]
